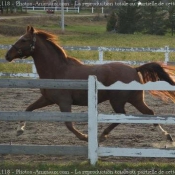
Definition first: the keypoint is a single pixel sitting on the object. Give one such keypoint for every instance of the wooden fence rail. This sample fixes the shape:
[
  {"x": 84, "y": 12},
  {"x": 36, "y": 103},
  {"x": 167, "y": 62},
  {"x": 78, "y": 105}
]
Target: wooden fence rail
[
  {"x": 44, "y": 116},
  {"x": 44, "y": 83},
  {"x": 44, "y": 149},
  {"x": 93, "y": 117},
  {"x": 166, "y": 50},
  {"x": 95, "y": 150}
]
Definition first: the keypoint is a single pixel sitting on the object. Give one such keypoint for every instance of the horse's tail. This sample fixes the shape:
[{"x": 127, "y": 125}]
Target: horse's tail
[{"x": 158, "y": 72}]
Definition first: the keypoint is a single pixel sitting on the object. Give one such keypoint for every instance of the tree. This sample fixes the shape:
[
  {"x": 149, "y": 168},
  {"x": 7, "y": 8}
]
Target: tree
[
  {"x": 154, "y": 19},
  {"x": 112, "y": 22},
  {"x": 128, "y": 17},
  {"x": 171, "y": 18}
]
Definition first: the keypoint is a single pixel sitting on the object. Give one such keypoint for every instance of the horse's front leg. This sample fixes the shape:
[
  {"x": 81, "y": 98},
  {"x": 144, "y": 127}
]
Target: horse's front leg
[
  {"x": 80, "y": 135},
  {"x": 67, "y": 108},
  {"x": 41, "y": 102}
]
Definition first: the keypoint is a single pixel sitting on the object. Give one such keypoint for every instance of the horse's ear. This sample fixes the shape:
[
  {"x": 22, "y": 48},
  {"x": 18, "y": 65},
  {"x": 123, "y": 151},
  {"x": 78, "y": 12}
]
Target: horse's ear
[{"x": 30, "y": 29}]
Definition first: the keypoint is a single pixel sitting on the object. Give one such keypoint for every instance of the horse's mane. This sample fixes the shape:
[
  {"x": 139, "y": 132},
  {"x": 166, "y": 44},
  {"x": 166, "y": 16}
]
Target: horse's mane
[{"x": 53, "y": 39}]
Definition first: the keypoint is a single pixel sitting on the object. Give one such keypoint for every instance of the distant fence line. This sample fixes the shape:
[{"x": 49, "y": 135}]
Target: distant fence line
[
  {"x": 166, "y": 50},
  {"x": 66, "y": 9},
  {"x": 93, "y": 150}
]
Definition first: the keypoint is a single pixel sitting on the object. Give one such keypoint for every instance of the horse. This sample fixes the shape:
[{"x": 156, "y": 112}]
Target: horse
[{"x": 52, "y": 62}]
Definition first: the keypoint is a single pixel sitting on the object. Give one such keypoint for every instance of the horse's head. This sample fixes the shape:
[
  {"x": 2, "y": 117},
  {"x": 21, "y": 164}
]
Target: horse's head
[{"x": 24, "y": 47}]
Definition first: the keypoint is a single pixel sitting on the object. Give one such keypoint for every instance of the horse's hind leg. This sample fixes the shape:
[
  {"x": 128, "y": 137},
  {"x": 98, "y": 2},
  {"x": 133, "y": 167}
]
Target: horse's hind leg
[
  {"x": 106, "y": 132},
  {"x": 165, "y": 133},
  {"x": 139, "y": 103},
  {"x": 69, "y": 125},
  {"x": 41, "y": 102},
  {"x": 118, "y": 108}
]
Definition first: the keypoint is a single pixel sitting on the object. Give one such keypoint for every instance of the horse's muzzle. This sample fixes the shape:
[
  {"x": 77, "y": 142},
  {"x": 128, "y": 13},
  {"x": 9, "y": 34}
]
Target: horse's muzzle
[{"x": 7, "y": 57}]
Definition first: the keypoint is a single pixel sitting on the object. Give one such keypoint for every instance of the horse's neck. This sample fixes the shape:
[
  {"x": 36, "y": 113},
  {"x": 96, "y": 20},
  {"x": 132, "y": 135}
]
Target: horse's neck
[{"x": 48, "y": 61}]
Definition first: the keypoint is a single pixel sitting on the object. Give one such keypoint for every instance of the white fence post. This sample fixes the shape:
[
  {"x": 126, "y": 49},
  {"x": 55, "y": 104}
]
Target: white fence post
[
  {"x": 34, "y": 69},
  {"x": 92, "y": 120},
  {"x": 78, "y": 9},
  {"x": 166, "y": 54},
  {"x": 100, "y": 55},
  {"x": 92, "y": 9}
]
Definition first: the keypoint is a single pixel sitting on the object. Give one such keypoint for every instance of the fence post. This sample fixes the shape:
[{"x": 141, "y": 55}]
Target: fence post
[
  {"x": 92, "y": 9},
  {"x": 34, "y": 70},
  {"x": 92, "y": 120},
  {"x": 166, "y": 54},
  {"x": 100, "y": 55},
  {"x": 78, "y": 8},
  {"x": 102, "y": 10}
]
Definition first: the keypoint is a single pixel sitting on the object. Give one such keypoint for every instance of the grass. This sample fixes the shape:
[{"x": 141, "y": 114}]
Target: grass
[
  {"x": 15, "y": 68},
  {"x": 86, "y": 31},
  {"x": 85, "y": 168}
]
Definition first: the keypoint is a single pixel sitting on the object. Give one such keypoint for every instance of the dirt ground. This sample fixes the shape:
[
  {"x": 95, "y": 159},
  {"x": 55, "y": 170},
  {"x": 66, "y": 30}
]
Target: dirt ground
[{"x": 125, "y": 135}]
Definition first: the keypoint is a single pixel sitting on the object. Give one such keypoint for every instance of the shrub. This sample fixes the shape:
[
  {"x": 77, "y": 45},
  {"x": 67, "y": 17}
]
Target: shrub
[{"x": 112, "y": 22}]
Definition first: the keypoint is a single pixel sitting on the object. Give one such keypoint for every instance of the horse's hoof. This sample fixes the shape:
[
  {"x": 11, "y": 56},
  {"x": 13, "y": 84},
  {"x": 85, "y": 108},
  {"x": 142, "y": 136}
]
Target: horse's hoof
[
  {"x": 84, "y": 137},
  {"x": 19, "y": 132},
  {"x": 169, "y": 138},
  {"x": 102, "y": 138}
]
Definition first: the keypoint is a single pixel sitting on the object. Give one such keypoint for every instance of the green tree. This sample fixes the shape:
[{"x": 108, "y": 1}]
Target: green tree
[
  {"x": 112, "y": 22},
  {"x": 171, "y": 18},
  {"x": 129, "y": 17},
  {"x": 154, "y": 19}
]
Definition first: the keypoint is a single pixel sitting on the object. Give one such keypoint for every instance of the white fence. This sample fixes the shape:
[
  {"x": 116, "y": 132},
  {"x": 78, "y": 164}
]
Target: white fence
[
  {"x": 94, "y": 149},
  {"x": 93, "y": 117},
  {"x": 43, "y": 116},
  {"x": 66, "y": 9},
  {"x": 55, "y": 8},
  {"x": 166, "y": 50}
]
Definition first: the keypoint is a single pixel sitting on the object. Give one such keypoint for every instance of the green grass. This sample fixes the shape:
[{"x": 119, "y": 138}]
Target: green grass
[
  {"x": 90, "y": 31},
  {"x": 118, "y": 40},
  {"x": 103, "y": 38},
  {"x": 15, "y": 68},
  {"x": 86, "y": 29},
  {"x": 85, "y": 168}
]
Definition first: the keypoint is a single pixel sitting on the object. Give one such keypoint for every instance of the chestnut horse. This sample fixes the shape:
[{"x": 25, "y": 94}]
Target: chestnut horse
[{"x": 52, "y": 62}]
